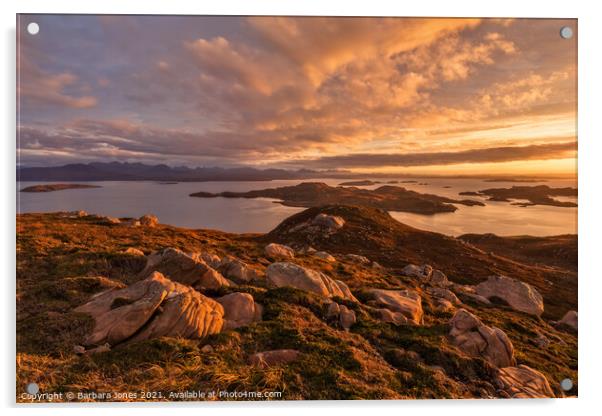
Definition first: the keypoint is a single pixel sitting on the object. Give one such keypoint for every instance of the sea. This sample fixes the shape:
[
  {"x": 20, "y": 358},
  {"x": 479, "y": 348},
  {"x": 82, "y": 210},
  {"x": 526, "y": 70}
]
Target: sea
[{"x": 171, "y": 203}]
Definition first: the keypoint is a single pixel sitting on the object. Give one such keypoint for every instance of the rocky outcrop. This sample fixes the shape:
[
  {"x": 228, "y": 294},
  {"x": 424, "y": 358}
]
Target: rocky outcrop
[
  {"x": 324, "y": 256},
  {"x": 395, "y": 318},
  {"x": 519, "y": 295},
  {"x": 439, "y": 279},
  {"x": 523, "y": 382},
  {"x": 357, "y": 259},
  {"x": 73, "y": 214},
  {"x": 149, "y": 220},
  {"x": 321, "y": 224},
  {"x": 151, "y": 308},
  {"x": 420, "y": 272},
  {"x": 331, "y": 223},
  {"x": 275, "y": 250},
  {"x": 134, "y": 252},
  {"x": 476, "y": 339},
  {"x": 444, "y": 299},
  {"x": 184, "y": 268},
  {"x": 240, "y": 309},
  {"x": 468, "y": 291},
  {"x": 213, "y": 260},
  {"x": 274, "y": 357},
  {"x": 238, "y": 270},
  {"x": 130, "y": 222},
  {"x": 293, "y": 275},
  {"x": 569, "y": 319},
  {"x": 406, "y": 302},
  {"x": 342, "y": 314}
]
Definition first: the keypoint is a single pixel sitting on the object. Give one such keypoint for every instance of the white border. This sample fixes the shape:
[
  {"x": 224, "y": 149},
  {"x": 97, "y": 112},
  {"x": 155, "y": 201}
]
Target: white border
[{"x": 590, "y": 207}]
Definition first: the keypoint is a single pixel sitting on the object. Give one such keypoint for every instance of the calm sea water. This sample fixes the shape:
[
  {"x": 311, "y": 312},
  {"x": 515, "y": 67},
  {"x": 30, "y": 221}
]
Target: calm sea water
[{"x": 172, "y": 205}]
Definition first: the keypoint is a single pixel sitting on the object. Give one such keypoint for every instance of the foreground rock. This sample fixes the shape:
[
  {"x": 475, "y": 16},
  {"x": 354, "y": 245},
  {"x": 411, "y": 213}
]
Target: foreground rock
[
  {"x": 238, "y": 270},
  {"x": 395, "y": 318},
  {"x": 523, "y": 382},
  {"x": 290, "y": 274},
  {"x": 321, "y": 225},
  {"x": 184, "y": 268},
  {"x": 342, "y": 314},
  {"x": 421, "y": 272},
  {"x": 476, "y": 339},
  {"x": 151, "y": 308},
  {"x": 569, "y": 319},
  {"x": 325, "y": 256},
  {"x": 519, "y": 295},
  {"x": 274, "y": 357},
  {"x": 240, "y": 309},
  {"x": 274, "y": 250},
  {"x": 149, "y": 220},
  {"x": 134, "y": 252},
  {"x": 406, "y": 302}
]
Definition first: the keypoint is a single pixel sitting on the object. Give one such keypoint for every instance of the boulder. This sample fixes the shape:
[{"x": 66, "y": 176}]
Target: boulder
[
  {"x": 446, "y": 294},
  {"x": 134, "y": 252},
  {"x": 396, "y": 318},
  {"x": 357, "y": 259},
  {"x": 211, "y": 259},
  {"x": 444, "y": 305},
  {"x": 151, "y": 308},
  {"x": 519, "y": 295},
  {"x": 274, "y": 250},
  {"x": 184, "y": 268},
  {"x": 240, "y": 309},
  {"x": 476, "y": 339},
  {"x": 238, "y": 270},
  {"x": 293, "y": 275},
  {"x": 469, "y": 292},
  {"x": 274, "y": 357},
  {"x": 406, "y": 302},
  {"x": 569, "y": 319},
  {"x": 73, "y": 214},
  {"x": 131, "y": 222},
  {"x": 325, "y": 256},
  {"x": 344, "y": 316},
  {"x": 331, "y": 223},
  {"x": 421, "y": 272},
  {"x": 149, "y": 220},
  {"x": 439, "y": 279},
  {"x": 523, "y": 382},
  {"x": 108, "y": 220}
]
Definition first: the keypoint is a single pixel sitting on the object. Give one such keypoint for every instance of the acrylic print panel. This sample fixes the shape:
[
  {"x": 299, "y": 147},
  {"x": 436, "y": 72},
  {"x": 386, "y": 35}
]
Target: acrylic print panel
[{"x": 295, "y": 208}]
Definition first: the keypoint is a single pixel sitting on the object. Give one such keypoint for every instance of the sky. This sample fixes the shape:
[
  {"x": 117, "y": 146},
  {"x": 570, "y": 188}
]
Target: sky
[{"x": 409, "y": 95}]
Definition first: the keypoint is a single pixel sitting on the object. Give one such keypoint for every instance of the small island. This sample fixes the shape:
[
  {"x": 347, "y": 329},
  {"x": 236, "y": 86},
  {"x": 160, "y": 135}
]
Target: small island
[
  {"x": 57, "y": 187},
  {"x": 516, "y": 180},
  {"x": 535, "y": 195},
  {"x": 359, "y": 183},
  {"x": 387, "y": 197}
]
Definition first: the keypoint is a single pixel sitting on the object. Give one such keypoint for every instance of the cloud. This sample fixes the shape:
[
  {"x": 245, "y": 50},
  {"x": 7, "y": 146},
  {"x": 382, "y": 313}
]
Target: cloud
[
  {"x": 486, "y": 155},
  {"x": 271, "y": 89},
  {"x": 38, "y": 87}
]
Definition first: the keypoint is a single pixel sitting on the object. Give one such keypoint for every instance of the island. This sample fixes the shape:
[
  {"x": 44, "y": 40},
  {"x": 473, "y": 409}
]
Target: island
[
  {"x": 359, "y": 183},
  {"x": 57, "y": 187},
  {"x": 535, "y": 195},
  {"x": 387, "y": 197},
  {"x": 517, "y": 180}
]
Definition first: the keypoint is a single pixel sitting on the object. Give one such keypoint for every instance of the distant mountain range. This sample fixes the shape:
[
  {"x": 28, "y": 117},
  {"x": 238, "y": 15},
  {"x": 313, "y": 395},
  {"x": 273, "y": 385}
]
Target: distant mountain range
[{"x": 119, "y": 171}]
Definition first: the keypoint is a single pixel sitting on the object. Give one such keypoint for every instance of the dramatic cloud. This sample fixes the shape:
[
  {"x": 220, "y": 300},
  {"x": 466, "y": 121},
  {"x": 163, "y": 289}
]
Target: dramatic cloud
[
  {"x": 487, "y": 155},
  {"x": 316, "y": 91}
]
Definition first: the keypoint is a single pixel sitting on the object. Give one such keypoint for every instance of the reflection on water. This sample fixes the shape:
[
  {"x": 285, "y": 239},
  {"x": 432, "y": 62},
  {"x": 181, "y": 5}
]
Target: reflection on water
[{"x": 171, "y": 203}]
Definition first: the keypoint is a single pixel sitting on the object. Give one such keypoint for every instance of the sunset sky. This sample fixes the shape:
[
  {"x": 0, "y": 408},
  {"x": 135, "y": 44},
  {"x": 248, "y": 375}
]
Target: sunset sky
[{"x": 424, "y": 96}]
